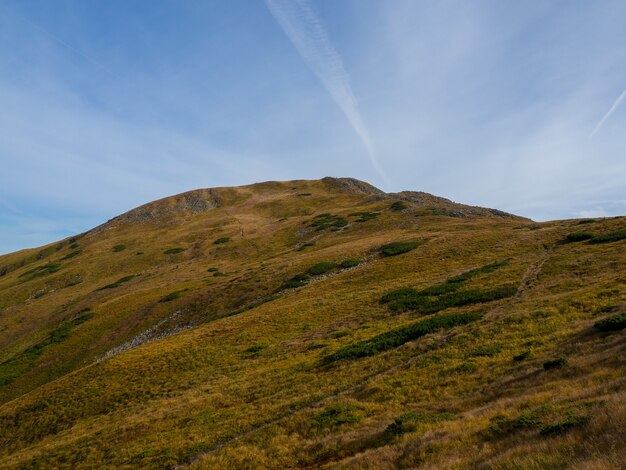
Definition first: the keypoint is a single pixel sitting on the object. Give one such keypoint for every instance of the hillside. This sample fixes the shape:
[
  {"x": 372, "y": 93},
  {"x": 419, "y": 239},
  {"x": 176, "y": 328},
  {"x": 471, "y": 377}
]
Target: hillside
[{"x": 316, "y": 324}]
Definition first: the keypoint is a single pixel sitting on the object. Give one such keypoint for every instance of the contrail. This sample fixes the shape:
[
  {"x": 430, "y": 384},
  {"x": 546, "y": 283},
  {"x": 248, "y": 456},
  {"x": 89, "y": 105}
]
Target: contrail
[
  {"x": 608, "y": 114},
  {"x": 307, "y": 33}
]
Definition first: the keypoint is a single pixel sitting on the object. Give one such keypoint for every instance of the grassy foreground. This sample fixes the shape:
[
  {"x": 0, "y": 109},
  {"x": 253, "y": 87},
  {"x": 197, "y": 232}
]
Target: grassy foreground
[{"x": 311, "y": 324}]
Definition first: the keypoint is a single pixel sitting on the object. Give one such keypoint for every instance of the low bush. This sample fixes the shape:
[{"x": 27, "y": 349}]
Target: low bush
[
  {"x": 172, "y": 296},
  {"x": 474, "y": 272},
  {"x": 398, "y": 206},
  {"x": 578, "y": 237},
  {"x": 364, "y": 216},
  {"x": 349, "y": 263},
  {"x": 221, "y": 240},
  {"x": 117, "y": 283},
  {"x": 335, "y": 415},
  {"x": 321, "y": 268},
  {"x": 212, "y": 270},
  {"x": 522, "y": 356},
  {"x": 71, "y": 255},
  {"x": 398, "y": 248},
  {"x": 397, "y": 337},
  {"x": 555, "y": 363},
  {"x": 612, "y": 323},
  {"x": 325, "y": 221},
  {"x": 118, "y": 248},
  {"x": 174, "y": 251},
  {"x": 609, "y": 237},
  {"x": 571, "y": 421},
  {"x": 48, "y": 268},
  {"x": 73, "y": 246},
  {"x": 305, "y": 245}
]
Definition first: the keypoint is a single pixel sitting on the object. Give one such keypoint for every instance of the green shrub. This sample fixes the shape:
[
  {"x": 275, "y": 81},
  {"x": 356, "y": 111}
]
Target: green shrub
[
  {"x": 321, "y": 268},
  {"x": 118, "y": 248},
  {"x": 555, "y": 363},
  {"x": 397, "y": 248},
  {"x": 561, "y": 427},
  {"x": 612, "y": 323},
  {"x": 609, "y": 237},
  {"x": 335, "y": 415},
  {"x": 522, "y": 356},
  {"x": 364, "y": 216},
  {"x": 172, "y": 296},
  {"x": 325, "y": 221},
  {"x": 349, "y": 263},
  {"x": 48, "y": 268},
  {"x": 117, "y": 283},
  {"x": 221, "y": 240},
  {"x": 174, "y": 251},
  {"x": 474, "y": 272},
  {"x": 586, "y": 221},
  {"x": 212, "y": 270},
  {"x": 298, "y": 280},
  {"x": 398, "y": 206},
  {"x": 256, "y": 348},
  {"x": 578, "y": 237},
  {"x": 422, "y": 303},
  {"x": 71, "y": 255},
  {"x": 73, "y": 246},
  {"x": 398, "y": 336}
]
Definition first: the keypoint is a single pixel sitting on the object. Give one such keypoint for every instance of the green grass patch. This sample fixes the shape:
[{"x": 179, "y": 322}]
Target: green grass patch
[
  {"x": 174, "y": 251},
  {"x": 118, "y": 283},
  {"x": 172, "y": 296},
  {"x": 349, "y": 263},
  {"x": 398, "y": 336},
  {"x": 364, "y": 216},
  {"x": 328, "y": 221},
  {"x": 71, "y": 255},
  {"x": 118, "y": 248},
  {"x": 555, "y": 363},
  {"x": 398, "y": 206},
  {"x": 213, "y": 270},
  {"x": 487, "y": 350},
  {"x": 609, "y": 237},
  {"x": 221, "y": 240},
  {"x": 578, "y": 237},
  {"x": 40, "y": 271},
  {"x": 488, "y": 268},
  {"x": 336, "y": 415},
  {"x": 613, "y": 323},
  {"x": 321, "y": 268},
  {"x": 398, "y": 248}
]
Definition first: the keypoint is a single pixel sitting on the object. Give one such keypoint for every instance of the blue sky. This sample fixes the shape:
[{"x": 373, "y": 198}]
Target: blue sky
[{"x": 505, "y": 104}]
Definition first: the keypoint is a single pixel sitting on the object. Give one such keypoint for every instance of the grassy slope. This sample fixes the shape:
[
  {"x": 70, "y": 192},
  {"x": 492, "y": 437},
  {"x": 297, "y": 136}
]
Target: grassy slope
[{"x": 252, "y": 390}]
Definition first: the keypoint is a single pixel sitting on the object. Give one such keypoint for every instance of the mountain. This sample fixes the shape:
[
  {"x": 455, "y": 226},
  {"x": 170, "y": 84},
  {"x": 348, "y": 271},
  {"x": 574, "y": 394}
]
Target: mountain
[{"x": 309, "y": 324}]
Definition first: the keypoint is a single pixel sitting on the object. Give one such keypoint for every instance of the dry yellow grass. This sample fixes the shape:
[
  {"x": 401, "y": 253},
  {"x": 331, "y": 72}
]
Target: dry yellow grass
[{"x": 238, "y": 378}]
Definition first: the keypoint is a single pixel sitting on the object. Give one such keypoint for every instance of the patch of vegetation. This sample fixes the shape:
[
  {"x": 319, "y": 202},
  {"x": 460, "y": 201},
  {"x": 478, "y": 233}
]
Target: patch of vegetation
[
  {"x": 364, "y": 216},
  {"x": 521, "y": 356},
  {"x": 256, "y": 348},
  {"x": 398, "y": 248},
  {"x": 570, "y": 422},
  {"x": 474, "y": 272},
  {"x": 221, "y": 240},
  {"x": 26, "y": 360},
  {"x": 409, "y": 422},
  {"x": 446, "y": 295},
  {"x": 336, "y": 415},
  {"x": 219, "y": 274},
  {"x": 305, "y": 245},
  {"x": 586, "y": 221},
  {"x": 578, "y": 237},
  {"x": 349, "y": 263},
  {"x": 44, "y": 270},
  {"x": 432, "y": 211},
  {"x": 321, "y": 268},
  {"x": 555, "y": 363},
  {"x": 213, "y": 270},
  {"x": 253, "y": 305},
  {"x": 71, "y": 255},
  {"x": 609, "y": 237},
  {"x": 613, "y": 323},
  {"x": 410, "y": 299},
  {"x": 328, "y": 221},
  {"x": 73, "y": 246},
  {"x": 398, "y": 336},
  {"x": 172, "y": 296},
  {"x": 118, "y": 248},
  {"x": 174, "y": 251},
  {"x": 118, "y": 283},
  {"x": 398, "y": 206}
]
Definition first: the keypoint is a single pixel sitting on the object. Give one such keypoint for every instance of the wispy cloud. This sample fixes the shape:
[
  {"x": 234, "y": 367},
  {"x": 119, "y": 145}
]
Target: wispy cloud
[
  {"x": 608, "y": 114},
  {"x": 307, "y": 33}
]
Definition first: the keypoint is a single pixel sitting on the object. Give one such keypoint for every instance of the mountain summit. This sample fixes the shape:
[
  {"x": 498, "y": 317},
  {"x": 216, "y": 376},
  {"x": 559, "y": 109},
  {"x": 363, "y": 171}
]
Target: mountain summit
[{"x": 308, "y": 324}]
